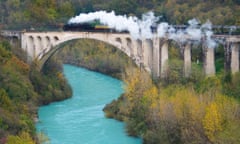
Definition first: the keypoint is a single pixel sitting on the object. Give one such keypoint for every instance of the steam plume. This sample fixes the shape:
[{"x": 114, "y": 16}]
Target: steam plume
[{"x": 142, "y": 28}]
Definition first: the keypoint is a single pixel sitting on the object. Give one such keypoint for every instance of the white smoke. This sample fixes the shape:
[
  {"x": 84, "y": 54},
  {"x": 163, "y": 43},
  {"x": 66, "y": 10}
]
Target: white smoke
[
  {"x": 207, "y": 34},
  {"x": 193, "y": 30},
  {"x": 162, "y": 29},
  {"x": 145, "y": 25},
  {"x": 119, "y": 23},
  {"x": 143, "y": 28}
]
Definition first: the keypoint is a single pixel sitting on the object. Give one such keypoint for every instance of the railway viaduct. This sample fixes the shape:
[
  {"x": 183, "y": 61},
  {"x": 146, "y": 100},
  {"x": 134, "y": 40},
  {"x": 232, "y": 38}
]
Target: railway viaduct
[{"x": 151, "y": 54}]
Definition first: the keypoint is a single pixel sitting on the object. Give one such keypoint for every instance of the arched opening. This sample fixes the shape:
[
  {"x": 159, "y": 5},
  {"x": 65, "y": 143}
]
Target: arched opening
[
  {"x": 182, "y": 62},
  {"x": 119, "y": 40},
  {"x": 39, "y": 43},
  {"x": 91, "y": 54},
  {"x": 175, "y": 59},
  {"x": 56, "y": 38},
  {"x": 47, "y": 44},
  {"x": 48, "y": 41},
  {"x": 219, "y": 57},
  {"x": 31, "y": 46},
  {"x": 139, "y": 54},
  {"x": 14, "y": 41},
  {"x": 129, "y": 46},
  {"x": 185, "y": 59}
]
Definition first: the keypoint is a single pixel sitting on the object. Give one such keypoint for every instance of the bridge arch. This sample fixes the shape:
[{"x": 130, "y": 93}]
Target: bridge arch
[
  {"x": 47, "y": 45},
  {"x": 129, "y": 45}
]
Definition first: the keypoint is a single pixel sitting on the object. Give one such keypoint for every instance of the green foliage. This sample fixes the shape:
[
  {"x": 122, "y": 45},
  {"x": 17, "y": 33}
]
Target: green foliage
[
  {"x": 5, "y": 102},
  {"x": 66, "y": 9},
  {"x": 176, "y": 113},
  {"x": 219, "y": 12},
  {"x": 5, "y": 54},
  {"x": 232, "y": 87},
  {"x": 20, "y": 94},
  {"x": 50, "y": 83},
  {"x": 123, "y": 7},
  {"x": 24, "y": 14}
]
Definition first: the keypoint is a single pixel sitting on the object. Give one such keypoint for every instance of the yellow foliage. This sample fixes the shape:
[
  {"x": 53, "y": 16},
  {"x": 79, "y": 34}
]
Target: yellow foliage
[
  {"x": 60, "y": 76},
  {"x": 228, "y": 107},
  {"x": 212, "y": 121},
  {"x": 42, "y": 138},
  {"x": 136, "y": 83},
  {"x": 23, "y": 138},
  {"x": 152, "y": 95},
  {"x": 185, "y": 104}
]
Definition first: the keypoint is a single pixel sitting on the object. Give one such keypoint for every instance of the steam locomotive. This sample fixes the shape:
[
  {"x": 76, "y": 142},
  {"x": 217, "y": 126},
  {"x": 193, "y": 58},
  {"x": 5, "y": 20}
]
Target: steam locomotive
[{"x": 89, "y": 27}]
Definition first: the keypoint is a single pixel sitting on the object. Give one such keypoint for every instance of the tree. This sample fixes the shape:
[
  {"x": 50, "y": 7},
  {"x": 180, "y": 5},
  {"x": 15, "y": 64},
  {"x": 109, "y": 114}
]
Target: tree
[{"x": 212, "y": 121}]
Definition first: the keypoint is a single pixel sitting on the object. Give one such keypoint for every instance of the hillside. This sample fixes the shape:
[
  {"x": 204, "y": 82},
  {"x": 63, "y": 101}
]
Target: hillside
[
  {"x": 22, "y": 90},
  {"x": 52, "y": 14}
]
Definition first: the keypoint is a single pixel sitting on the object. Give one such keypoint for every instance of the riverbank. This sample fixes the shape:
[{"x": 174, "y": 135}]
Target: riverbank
[
  {"x": 206, "y": 111},
  {"x": 80, "y": 118}
]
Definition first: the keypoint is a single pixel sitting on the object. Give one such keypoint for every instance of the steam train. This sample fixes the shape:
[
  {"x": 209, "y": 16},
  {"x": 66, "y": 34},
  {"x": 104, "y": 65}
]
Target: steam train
[
  {"x": 95, "y": 26},
  {"x": 89, "y": 27}
]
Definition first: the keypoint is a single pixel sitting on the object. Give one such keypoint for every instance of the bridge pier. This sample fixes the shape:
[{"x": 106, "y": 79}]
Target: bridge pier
[
  {"x": 227, "y": 56},
  {"x": 156, "y": 58},
  {"x": 139, "y": 50},
  {"x": 235, "y": 57},
  {"x": 187, "y": 59},
  {"x": 134, "y": 52},
  {"x": 163, "y": 57},
  {"x": 209, "y": 62},
  {"x": 147, "y": 48}
]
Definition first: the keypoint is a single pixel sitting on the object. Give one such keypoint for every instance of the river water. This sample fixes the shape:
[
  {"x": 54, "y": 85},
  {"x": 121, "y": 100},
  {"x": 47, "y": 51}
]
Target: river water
[{"x": 80, "y": 119}]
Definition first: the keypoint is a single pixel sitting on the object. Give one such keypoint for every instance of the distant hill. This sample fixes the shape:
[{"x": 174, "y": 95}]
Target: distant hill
[{"x": 24, "y": 14}]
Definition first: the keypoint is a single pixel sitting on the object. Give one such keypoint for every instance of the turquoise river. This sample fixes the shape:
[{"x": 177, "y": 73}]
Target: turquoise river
[{"x": 80, "y": 119}]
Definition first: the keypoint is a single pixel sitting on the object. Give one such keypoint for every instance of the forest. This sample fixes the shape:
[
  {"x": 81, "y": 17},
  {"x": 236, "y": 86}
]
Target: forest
[
  {"x": 22, "y": 89},
  {"x": 52, "y": 14},
  {"x": 173, "y": 110}
]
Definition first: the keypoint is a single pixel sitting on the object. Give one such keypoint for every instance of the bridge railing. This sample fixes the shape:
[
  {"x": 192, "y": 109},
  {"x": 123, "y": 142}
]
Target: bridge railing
[{"x": 8, "y": 33}]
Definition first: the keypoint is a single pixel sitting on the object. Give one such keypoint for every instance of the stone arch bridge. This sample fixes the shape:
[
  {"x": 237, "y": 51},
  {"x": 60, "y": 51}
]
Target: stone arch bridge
[{"x": 151, "y": 54}]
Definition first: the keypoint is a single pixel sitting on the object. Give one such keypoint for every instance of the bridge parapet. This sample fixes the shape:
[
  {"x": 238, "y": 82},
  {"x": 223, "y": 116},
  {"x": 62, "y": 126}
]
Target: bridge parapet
[
  {"x": 11, "y": 34},
  {"x": 227, "y": 38}
]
